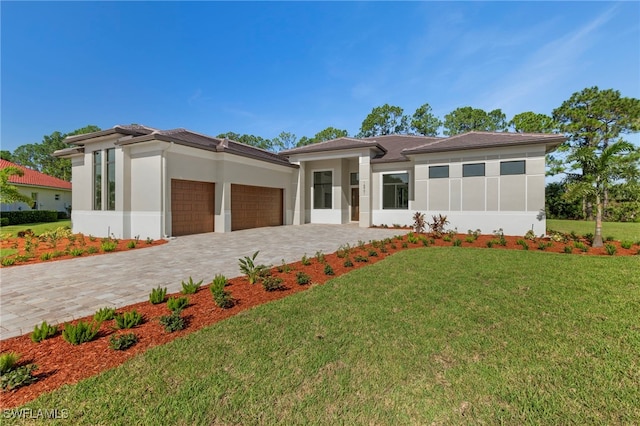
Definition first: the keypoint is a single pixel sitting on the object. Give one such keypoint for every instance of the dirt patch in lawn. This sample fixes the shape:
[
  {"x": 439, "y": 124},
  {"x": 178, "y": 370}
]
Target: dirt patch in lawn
[{"x": 61, "y": 363}]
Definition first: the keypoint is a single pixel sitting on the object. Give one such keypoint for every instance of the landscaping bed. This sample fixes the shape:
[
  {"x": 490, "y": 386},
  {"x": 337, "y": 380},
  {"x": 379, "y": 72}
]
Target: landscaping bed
[
  {"x": 27, "y": 248},
  {"x": 60, "y": 363}
]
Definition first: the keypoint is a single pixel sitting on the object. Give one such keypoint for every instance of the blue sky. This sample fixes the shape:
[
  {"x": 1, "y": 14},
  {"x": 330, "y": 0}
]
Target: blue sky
[{"x": 266, "y": 67}]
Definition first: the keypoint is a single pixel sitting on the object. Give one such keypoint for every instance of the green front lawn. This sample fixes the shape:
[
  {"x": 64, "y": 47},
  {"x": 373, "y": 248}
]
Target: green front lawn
[
  {"x": 37, "y": 228},
  {"x": 620, "y": 231},
  {"x": 437, "y": 335}
]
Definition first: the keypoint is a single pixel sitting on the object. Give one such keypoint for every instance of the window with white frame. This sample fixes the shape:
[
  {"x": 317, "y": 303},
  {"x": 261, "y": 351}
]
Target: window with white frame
[
  {"x": 322, "y": 189},
  {"x": 111, "y": 179},
  {"x": 395, "y": 191},
  {"x": 438, "y": 172},
  {"x": 470, "y": 170},
  {"x": 97, "y": 180}
]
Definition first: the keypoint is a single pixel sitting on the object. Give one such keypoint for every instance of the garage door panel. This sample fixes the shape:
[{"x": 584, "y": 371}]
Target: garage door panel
[
  {"x": 192, "y": 207},
  {"x": 255, "y": 207}
]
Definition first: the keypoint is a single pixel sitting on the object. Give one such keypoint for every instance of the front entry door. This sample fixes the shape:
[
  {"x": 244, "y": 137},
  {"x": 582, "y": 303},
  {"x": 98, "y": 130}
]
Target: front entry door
[{"x": 355, "y": 204}]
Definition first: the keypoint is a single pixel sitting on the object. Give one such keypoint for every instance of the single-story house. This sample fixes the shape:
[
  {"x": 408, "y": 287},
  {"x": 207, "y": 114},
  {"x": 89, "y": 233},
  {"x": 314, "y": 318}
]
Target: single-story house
[
  {"x": 47, "y": 192},
  {"x": 135, "y": 180}
]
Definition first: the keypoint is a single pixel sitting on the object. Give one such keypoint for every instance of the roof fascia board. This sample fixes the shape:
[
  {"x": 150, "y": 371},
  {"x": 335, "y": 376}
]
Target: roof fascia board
[{"x": 332, "y": 155}]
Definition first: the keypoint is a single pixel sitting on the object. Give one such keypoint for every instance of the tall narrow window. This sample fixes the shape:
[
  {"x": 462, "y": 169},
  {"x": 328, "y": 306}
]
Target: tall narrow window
[
  {"x": 97, "y": 180},
  {"x": 111, "y": 179},
  {"x": 395, "y": 191},
  {"x": 322, "y": 189},
  {"x": 34, "y": 197}
]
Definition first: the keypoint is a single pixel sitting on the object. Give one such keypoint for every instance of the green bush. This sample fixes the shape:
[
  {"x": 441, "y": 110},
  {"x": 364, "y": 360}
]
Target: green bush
[
  {"x": 8, "y": 361},
  {"x": 30, "y": 216},
  {"x": 190, "y": 287},
  {"x": 284, "y": 268},
  {"x": 121, "y": 342},
  {"x": 320, "y": 257},
  {"x": 4, "y": 221},
  {"x": 328, "y": 270},
  {"x": 8, "y": 261},
  {"x": 221, "y": 297},
  {"x": 348, "y": 263},
  {"x": 523, "y": 243},
  {"x": 108, "y": 245},
  {"x": 131, "y": 244},
  {"x": 305, "y": 260},
  {"x": 272, "y": 283},
  {"x": 177, "y": 304},
  {"x": 128, "y": 319},
  {"x": 610, "y": 249},
  {"x": 173, "y": 322},
  {"x": 303, "y": 278},
  {"x": 457, "y": 242},
  {"x": 360, "y": 258},
  {"x": 17, "y": 377},
  {"x": 44, "y": 331},
  {"x": 104, "y": 314},
  {"x": 626, "y": 244},
  {"x": 373, "y": 253},
  {"x": 581, "y": 246},
  {"x": 75, "y": 252},
  {"x": 46, "y": 256},
  {"x": 157, "y": 295},
  {"x": 568, "y": 249},
  {"x": 250, "y": 269},
  {"x": 81, "y": 332},
  {"x": 92, "y": 249},
  {"x": 411, "y": 238}
]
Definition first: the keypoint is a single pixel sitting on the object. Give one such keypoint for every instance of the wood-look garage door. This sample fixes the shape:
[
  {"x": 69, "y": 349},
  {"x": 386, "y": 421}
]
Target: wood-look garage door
[
  {"x": 255, "y": 207},
  {"x": 192, "y": 207}
]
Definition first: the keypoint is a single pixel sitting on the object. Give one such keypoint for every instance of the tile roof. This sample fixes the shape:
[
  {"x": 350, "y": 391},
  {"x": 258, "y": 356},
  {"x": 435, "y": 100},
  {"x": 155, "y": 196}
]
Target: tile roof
[
  {"x": 478, "y": 140},
  {"x": 394, "y": 146},
  {"x": 122, "y": 129},
  {"x": 334, "y": 144},
  {"x": 34, "y": 178},
  {"x": 209, "y": 143}
]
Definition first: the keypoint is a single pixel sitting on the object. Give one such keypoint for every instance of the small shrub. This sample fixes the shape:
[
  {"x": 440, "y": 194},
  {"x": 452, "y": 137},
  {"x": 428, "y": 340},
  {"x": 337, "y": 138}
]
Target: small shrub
[
  {"x": 92, "y": 238},
  {"x": 419, "y": 223},
  {"x": 626, "y": 244},
  {"x": 361, "y": 243},
  {"x": 272, "y": 283},
  {"x": 46, "y": 256},
  {"x": 610, "y": 249},
  {"x": 75, "y": 252},
  {"x": 411, "y": 238},
  {"x": 581, "y": 246},
  {"x": 499, "y": 234},
  {"x": 17, "y": 376},
  {"x": 8, "y": 261},
  {"x": 320, "y": 256},
  {"x": 469, "y": 239},
  {"x": 373, "y": 253},
  {"x": 149, "y": 240},
  {"x": 177, "y": 304},
  {"x": 250, "y": 269},
  {"x": 221, "y": 297},
  {"x": 589, "y": 237},
  {"x": 128, "y": 319},
  {"x": 157, "y": 295},
  {"x": 383, "y": 249},
  {"x": 108, "y": 246},
  {"x": 81, "y": 332},
  {"x": 173, "y": 322},
  {"x": 92, "y": 250},
  {"x": 8, "y": 361},
  {"x": 190, "y": 287},
  {"x": 393, "y": 246},
  {"x": 44, "y": 331},
  {"x": 284, "y": 268},
  {"x": 104, "y": 314},
  {"x": 608, "y": 238},
  {"x": 446, "y": 238},
  {"x": 530, "y": 235},
  {"x": 58, "y": 253},
  {"x": 405, "y": 244},
  {"x": 303, "y": 278},
  {"x": 375, "y": 243},
  {"x": 305, "y": 260},
  {"x": 122, "y": 341},
  {"x": 490, "y": 243},
  {"x": 436, "y": 228},
  {"x": 457, "y": 242},
  {"x": 343, "y": 251},
  {"x": 348, "y": 263},
  {"x": 328, "y": 270},
  {"x": 131, "y": 244},
  {"x": 360, "y": 258},
  {"x": 523, "y": 243},
  {"x": 543, "y": 245}
]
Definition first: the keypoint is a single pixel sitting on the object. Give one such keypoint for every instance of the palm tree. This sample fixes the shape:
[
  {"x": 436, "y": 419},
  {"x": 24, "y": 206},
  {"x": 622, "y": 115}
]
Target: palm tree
[{"x": 600, "y": 169}]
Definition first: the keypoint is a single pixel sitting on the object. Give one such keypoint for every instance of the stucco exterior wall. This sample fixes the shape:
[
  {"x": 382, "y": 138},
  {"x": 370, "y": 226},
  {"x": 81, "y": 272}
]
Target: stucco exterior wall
[
  {"x": 46, "y": 199},
  {"x": 334, "y": 215}
]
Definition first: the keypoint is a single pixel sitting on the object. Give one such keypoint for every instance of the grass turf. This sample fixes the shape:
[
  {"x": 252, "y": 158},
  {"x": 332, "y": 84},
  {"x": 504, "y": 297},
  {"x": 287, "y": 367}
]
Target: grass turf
[
  {"x": 37, "y": 228},
  {"x": 621, "y": 231},
  {"x": 444, "y": 335}
]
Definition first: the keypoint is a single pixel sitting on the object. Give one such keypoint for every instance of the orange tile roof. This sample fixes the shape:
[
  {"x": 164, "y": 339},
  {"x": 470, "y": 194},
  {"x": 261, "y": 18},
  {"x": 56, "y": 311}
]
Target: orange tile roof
[{"x": 34, "y": 178}]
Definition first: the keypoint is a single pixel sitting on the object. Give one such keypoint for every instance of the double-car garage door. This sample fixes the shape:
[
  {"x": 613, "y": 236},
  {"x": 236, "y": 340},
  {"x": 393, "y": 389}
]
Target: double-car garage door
[{"x": 192, "y": 207}]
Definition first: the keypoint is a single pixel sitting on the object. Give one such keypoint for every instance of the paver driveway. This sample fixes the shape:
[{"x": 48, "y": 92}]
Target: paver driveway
[{"x": 68, "y": 289}]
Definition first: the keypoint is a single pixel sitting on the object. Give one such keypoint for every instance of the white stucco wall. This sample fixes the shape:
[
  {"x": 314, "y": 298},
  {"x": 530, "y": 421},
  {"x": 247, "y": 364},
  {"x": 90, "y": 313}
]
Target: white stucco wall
[{"x": 46, "y": 199}]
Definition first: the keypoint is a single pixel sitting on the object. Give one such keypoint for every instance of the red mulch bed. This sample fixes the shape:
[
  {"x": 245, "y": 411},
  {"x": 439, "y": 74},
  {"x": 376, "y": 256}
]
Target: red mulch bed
[
  {"x": 63, "y": 247},
  {"x": 58, "y": 361}
]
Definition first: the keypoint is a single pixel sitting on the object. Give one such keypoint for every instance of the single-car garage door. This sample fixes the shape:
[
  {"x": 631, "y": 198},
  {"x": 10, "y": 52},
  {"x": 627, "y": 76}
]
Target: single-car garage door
[
  {"x": 255, "y": 207},
  {"x": 192, "y": 207}
]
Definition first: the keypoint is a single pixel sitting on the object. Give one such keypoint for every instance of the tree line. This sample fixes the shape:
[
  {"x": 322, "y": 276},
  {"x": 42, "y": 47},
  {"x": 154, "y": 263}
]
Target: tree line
[{"x": 599, "y": 169}]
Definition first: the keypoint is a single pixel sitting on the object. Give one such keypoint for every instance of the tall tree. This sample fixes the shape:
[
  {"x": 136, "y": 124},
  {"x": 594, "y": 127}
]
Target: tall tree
[
  {"x": 256, "y": 141},
  {"x": 468, "y": 119},
  {"x": 8, "y": 192},
  {"x": 6, "y": 155},
  {"x": 423, "y": 122},
  {"x": 37, "y": 156},
  {"x": 595, "y": 118},
  {"x": 384, "y": 120},
  {"x": 285, "y": 140},
  {"x": 323, "y": 135},
  {"x": 531, "y": 122},
  {"x": 601, "y": 167}
]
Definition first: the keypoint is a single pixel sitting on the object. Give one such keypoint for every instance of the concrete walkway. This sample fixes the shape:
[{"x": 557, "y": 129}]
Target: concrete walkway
[{"x": 67, "y": 289}]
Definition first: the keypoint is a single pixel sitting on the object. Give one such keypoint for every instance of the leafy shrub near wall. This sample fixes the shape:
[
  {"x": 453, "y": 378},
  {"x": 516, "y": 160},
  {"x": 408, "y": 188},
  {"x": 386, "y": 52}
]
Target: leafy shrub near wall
[
  {"x": 30, "y": 216},
  {"x": 4, "y": 221}
]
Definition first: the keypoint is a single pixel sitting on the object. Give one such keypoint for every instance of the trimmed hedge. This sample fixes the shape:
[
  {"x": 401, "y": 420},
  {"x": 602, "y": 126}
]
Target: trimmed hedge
[
  {"x": 30, "y": 216},
  {"x": 4, "y": 221}
]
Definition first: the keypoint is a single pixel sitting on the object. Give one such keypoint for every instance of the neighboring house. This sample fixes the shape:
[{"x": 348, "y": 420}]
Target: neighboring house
[
  {"x": 47, "y": 192},
  {"x": 135, "y": 180}
]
